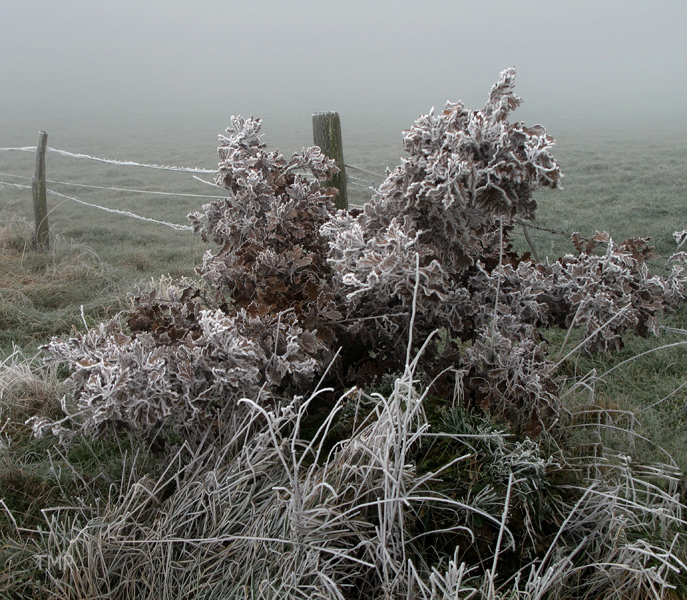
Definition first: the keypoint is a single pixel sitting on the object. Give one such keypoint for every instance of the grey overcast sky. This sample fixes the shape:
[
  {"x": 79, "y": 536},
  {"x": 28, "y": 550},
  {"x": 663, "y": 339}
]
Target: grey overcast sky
[{"x": 574, "y": 58}]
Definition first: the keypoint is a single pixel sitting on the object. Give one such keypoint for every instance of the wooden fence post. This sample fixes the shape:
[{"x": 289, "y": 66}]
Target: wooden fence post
[
  {"x": 40, "y": 206},
  {"x": 326, "y": 132}
]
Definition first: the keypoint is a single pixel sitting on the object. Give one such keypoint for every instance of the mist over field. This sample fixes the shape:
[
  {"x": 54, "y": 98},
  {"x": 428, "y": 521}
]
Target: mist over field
[
  {"x": 173, "y": 70},
  {"x": 156, "y": 82}
]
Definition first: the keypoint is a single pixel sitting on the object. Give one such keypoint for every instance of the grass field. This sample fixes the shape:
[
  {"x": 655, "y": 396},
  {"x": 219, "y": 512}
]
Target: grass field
[{"x": 629, "y": 185}]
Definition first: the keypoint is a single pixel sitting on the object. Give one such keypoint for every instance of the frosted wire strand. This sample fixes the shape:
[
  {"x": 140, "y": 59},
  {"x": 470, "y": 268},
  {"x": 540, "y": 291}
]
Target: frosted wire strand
[
  {"x": 170, "y": 168},
  {"x": 125, "y": 163},
  {"x": 111, "y": 210},
  {"x": 363, "y": 185},
  {"x": 360, "y": 170},
  {"x": 98, "y": 187},
  {"x": 354, "y": 179}
]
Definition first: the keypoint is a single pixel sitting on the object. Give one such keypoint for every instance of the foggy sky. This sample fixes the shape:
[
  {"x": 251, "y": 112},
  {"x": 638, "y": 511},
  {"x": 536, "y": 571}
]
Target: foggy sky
[{"x": 575, "y": 59}]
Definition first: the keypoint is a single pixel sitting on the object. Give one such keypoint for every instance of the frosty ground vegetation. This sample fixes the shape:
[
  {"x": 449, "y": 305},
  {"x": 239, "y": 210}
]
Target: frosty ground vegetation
[{"x": 360, "y": 404}]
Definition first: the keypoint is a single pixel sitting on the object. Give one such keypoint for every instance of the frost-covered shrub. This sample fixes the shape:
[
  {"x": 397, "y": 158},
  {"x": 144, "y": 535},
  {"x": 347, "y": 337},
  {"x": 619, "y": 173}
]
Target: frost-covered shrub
[
  {"x": 270, "y": 255},
  {"x": 605, "y": 294},
  {"x": 139, "y": 379},
  {"x": 436, "y": 221},
  {"x": 298, "y": 290},
  {"x": 435, "y": 237},
  {"x": 264, "y": 329}
]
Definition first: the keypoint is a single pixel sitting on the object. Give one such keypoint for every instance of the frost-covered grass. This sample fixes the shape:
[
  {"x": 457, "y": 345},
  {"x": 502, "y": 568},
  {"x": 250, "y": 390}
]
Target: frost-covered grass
[
  {"x": 648, "y": 379},
  {"x": 422, "y": 499},
  {"x": 51, "y": 293},
  {"x": 631, "y": 183},
  {"x": 390, "y": 492}
]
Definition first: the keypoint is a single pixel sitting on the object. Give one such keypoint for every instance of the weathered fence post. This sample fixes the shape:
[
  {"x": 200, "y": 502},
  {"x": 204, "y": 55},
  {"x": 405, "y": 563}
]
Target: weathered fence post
[
  {"x": 40, "y": 206},
  {"x": 326, "y": 133}
]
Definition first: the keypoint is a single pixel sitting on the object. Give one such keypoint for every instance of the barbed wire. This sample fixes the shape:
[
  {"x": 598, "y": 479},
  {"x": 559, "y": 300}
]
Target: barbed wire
[
  {"x": 540, "y": 228},
  {"x": 106, "y": 209},
  {"x": 361, "y": 170},
  {"x": 22, "y": 149},
  {"x": 352, "y": 179},
  {"x": 127, "y": 163},
  {"x": 568, "y": 236},
  {"x": 99, "y": 187},
  {"x": 361, "y": 182}
]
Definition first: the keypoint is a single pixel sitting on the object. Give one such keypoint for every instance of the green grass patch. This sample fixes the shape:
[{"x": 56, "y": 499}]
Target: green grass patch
[
  {"x": 45, "y": 294},
  {"x": 646, "y": 379}
]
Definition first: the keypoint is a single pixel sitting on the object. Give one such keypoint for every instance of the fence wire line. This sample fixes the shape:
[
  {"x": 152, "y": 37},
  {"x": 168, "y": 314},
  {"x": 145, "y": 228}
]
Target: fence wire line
[
  {"x": 125, "y": 163},
  {"x": 363, "y": 185},
  {"x": 352, "y": 179},
  {"x": 361, "y": 170},
  {"x": 533, "y": 226},
  {"x": 151, "y": 166},
  {"x": 98, "y": 187},
  {"x": 361, "y": 182},
  {"x": 521, "y": 235},
  {"x": 187, "y": 228},
  {"x": 111, "y": 210}
]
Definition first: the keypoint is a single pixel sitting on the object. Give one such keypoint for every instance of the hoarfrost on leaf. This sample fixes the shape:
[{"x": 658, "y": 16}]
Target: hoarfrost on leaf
[{"x": 294, "y": 288}]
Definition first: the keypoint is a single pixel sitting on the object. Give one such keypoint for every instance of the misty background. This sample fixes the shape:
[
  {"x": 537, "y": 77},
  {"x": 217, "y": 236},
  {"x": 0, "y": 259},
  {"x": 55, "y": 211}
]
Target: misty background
[
  {"x": 176, "y": 70},
  {"x": 156, "y": 81}
]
